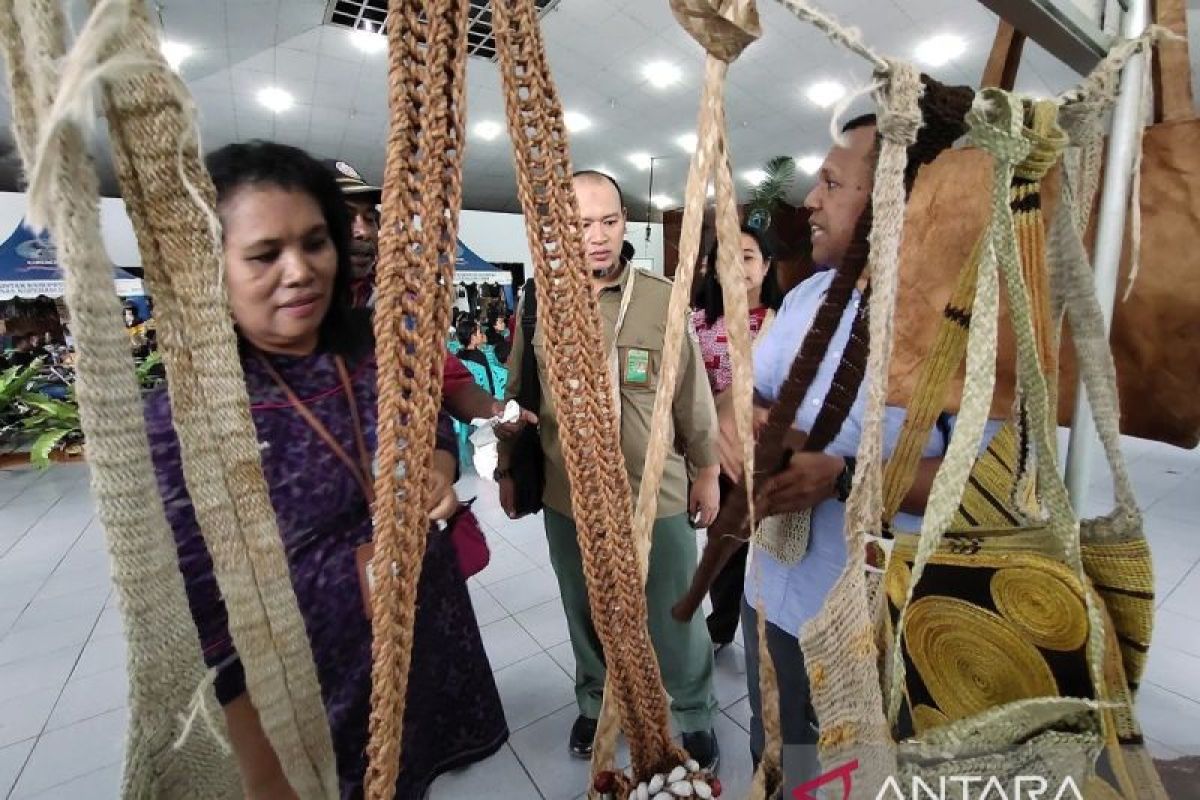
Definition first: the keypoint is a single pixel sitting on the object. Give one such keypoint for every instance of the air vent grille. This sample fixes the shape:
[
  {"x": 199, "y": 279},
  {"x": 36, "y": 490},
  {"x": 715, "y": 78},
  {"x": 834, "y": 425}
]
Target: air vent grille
[{"x": 372, "y": 15}]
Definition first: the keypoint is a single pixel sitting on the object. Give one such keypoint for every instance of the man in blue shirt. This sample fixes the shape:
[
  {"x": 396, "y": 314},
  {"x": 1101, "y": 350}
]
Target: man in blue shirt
[{"x": 792, "y": 594}]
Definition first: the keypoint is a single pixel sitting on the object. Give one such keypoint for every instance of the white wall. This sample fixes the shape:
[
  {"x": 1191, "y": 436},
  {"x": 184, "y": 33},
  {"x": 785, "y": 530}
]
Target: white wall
[
  {"x": 494, "y": 236},
  {"x": 501, "y": 237},
  {"x": 119, "y": 239}
]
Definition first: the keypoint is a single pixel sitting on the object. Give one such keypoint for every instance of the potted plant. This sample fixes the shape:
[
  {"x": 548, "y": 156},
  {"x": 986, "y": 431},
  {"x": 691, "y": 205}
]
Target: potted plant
[
  {"x": 56, "y": 425},
  {"x": 771, "y": 191}
]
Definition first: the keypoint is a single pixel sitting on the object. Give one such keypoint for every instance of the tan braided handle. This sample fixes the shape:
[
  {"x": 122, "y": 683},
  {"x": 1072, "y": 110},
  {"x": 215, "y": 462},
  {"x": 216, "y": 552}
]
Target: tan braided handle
[
  {"x": 581, "y": 388},
  {"x": 422, "y": 193}
]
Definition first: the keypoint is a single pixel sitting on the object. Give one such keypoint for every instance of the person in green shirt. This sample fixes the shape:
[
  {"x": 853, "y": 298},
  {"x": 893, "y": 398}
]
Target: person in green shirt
[{"x": 634, "y": 310}]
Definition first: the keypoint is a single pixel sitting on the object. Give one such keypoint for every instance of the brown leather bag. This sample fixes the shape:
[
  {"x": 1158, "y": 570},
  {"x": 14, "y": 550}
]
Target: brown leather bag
[{"x": 1156, "y": 331}]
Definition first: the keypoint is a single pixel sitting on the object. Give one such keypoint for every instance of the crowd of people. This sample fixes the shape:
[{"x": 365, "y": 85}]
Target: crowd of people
[{"x": 301, "y": 242}]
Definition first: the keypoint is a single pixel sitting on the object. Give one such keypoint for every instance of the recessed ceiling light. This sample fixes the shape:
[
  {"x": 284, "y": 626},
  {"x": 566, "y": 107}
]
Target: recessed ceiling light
[
  {"x": 938, "y": 50},
  {"x": 825, "y": 93},
  {"x": 576, "y": 122},
  {"x": 662, "y": 201},
  {"x": 487, "y": 130},
  {"x": 661, "y": 74},
  {"x": 176, "y": 53},
  {"x": 639, "y": 160},
  {"x": 754, "y": 176},
  {"x": 275, "y": 99},
  {"x": 368, "y": 41},
  {"x": 811, "y": 165},
  {"x": 687, "y": 142}
]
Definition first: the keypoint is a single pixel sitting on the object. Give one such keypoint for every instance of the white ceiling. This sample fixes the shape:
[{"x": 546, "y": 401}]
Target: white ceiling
[{"x": 596, "y": 49}]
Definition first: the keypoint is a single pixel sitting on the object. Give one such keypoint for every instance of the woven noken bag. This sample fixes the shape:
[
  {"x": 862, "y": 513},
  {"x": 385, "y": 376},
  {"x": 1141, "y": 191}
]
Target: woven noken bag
[{"x": 971, "y": 663}]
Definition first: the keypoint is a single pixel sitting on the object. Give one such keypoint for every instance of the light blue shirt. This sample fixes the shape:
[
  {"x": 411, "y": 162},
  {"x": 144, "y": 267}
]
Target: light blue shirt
[{"x": 794, "y": 594}]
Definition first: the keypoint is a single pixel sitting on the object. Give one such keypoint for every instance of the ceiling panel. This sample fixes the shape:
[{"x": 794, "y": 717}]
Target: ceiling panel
[{"x": 596, "y": 49}]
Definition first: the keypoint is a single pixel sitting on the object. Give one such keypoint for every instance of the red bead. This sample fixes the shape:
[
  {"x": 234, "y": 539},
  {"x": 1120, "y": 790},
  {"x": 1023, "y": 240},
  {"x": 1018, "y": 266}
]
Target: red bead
[
  {"x": 715, "y": 785},
  {"x": 605, "y": 782}
]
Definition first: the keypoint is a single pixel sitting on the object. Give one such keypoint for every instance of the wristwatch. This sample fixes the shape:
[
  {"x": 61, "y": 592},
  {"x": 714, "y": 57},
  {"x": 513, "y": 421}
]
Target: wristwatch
[
  {"x": 845, "y": 480},
  {"x": 501, "y": 474}
]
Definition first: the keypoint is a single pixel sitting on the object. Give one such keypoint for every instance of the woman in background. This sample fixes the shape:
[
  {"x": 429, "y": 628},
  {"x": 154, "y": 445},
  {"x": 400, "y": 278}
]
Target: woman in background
[
  {"x": 763, "y": 298},
  {"x": 310, "y": 370}
]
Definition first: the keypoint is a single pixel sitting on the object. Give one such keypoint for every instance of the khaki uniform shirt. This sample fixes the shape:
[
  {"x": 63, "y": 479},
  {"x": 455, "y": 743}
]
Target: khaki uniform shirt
[{"x": 694, "y": 418}]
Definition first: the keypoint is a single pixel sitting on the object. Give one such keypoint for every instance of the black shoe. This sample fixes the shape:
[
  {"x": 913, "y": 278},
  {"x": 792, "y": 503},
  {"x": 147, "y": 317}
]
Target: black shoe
[
  {"x": 582, "y": 734},
  {"x": 702, "y": 746}
]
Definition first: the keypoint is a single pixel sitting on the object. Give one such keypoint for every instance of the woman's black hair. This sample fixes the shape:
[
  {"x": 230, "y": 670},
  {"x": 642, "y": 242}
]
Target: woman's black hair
[
  {"x": 465, "y": 330},
  {"x": 708, "y": 297},
  {"x": 260, "y": 163}
]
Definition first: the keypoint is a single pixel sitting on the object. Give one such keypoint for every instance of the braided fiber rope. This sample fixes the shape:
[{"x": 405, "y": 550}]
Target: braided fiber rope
[
  {"x": 156, "y": 152},
  {"x": 1115, "y": 552},
  {"x": 839, "y": 643},
  {"x": 307, "y": 744},
  {"x": 582, "y": 390},
  {"x": 422, "y": 192},
  {"x": 724, "y": 37},
  {"x": 163, "y": 661},
  {"x": 1084, "y": 157}
]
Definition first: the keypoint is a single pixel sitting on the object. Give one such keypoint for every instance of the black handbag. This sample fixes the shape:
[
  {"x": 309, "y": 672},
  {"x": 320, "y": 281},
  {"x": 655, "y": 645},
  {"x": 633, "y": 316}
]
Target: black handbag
[{"x": 527, "y": 463}]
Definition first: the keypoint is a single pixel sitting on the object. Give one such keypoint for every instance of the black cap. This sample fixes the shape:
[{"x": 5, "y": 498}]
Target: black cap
[{"x": 351, "y": 182}]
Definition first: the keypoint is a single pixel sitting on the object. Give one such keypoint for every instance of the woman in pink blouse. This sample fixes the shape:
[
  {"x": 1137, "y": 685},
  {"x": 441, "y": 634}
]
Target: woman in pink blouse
[{"x": 708, "y": 318}]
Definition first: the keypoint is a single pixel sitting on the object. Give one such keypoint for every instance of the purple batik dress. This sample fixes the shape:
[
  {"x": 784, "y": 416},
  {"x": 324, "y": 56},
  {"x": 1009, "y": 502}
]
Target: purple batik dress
[{"x": 453, "y": 715}]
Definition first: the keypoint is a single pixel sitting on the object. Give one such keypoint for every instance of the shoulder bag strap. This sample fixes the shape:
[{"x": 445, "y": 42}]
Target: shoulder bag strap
[{"x": 530, "y": 396}]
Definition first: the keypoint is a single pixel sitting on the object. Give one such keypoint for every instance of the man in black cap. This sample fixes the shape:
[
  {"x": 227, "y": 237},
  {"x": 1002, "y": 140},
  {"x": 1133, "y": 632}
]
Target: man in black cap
[
  {"x": 362, "y": 206},
  {"x": 461, "y": 396}
]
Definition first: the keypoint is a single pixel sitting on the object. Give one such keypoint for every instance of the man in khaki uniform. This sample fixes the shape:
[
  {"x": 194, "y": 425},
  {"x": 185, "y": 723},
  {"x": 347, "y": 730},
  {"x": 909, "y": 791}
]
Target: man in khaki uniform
[{"x": 633, "y": 305}]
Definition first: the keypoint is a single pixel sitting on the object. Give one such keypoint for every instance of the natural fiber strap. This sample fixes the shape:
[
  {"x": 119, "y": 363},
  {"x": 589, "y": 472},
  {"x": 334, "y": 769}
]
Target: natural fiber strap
[
  {"x": 1082, "y": 122},
  {"x": 580, "y": 386},
  {"x": 1075, "y": 292},
  {"x": 117, "y": 40},
  {"x": 724, "y": 34},
  {"x": 422, "y": 193},
  {"x": 163, "y": 661},
  {"x": 995, "y": 126}
]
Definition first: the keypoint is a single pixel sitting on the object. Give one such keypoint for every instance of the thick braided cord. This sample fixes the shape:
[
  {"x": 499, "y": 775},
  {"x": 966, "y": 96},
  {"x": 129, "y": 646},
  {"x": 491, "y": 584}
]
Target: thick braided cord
[
  {"x": 1082, "y": 122},
  {"x": 163, "y": 661},
  {"x": 995, "y": 123},
  {"x": 422, "y": 193},
  {"x": 708, "y": 150},
  {"x": 170, "y": 201},
  {"x": 898, "y": 124},
  {"x": 839, "y": 643},
  {"x": 1076, "y": 286},
  {"x": 581, "y": 388}
]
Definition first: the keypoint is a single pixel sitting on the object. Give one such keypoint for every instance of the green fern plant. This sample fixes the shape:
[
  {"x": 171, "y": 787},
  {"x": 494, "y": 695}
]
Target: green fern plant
[
  {"x": 771, "y": 192},
  {"x": 55, "y": 423},
  {"x": 14, "y": 385},
  {"x": 148, "y": 374}
]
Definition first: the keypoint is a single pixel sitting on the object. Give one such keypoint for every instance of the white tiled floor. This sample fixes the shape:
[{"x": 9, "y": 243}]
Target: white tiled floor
[{"x": 62, "y": 653}]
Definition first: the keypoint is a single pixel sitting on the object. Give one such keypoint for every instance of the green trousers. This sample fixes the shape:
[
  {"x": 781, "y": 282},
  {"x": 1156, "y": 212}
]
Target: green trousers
[{"x": 684, "y": 651}]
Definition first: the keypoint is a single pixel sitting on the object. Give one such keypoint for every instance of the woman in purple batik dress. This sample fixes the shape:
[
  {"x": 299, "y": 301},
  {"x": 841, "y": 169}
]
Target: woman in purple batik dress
[{"x": 310, "y": 372}]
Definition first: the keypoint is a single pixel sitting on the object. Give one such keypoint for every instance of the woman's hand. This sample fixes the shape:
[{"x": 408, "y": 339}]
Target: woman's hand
[{"x": 443, "y": 501}]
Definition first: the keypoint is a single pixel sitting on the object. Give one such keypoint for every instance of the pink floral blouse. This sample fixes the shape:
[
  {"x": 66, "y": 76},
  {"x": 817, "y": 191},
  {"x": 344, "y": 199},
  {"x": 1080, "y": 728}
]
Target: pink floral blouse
[{"x": 714, "y": 345}]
